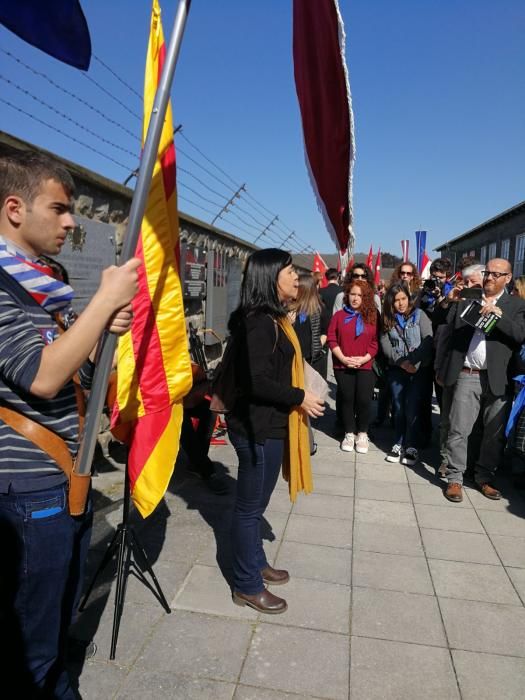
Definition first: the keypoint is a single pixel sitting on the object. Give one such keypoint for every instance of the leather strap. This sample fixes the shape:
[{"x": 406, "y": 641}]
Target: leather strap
[{"x": 44, "y": 438}]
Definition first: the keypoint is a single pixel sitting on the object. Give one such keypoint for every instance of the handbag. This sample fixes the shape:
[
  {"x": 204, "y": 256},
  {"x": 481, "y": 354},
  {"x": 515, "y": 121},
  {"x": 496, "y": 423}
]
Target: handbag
[{"x": 224, "y": 392}]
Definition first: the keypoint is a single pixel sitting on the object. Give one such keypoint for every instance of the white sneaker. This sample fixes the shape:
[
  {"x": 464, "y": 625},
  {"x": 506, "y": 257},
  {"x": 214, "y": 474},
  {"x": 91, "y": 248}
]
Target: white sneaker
[
  {"x": 348, "y": 443},
  {"x": 410, "y": 457},
  {"x": 395, "y": 454},
  {"x": 361, "y": 444}
]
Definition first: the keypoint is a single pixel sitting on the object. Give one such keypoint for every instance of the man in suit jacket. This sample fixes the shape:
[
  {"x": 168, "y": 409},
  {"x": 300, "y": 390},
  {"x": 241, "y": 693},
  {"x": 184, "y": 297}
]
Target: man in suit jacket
[
  {"x": 332, "y": 289},
  {"x": 479, "y": 368}
]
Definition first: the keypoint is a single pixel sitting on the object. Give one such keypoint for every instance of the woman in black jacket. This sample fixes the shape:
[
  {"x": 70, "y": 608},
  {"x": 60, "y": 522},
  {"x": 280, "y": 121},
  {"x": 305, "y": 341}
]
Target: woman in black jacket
[{"x": 266, "y": 351}]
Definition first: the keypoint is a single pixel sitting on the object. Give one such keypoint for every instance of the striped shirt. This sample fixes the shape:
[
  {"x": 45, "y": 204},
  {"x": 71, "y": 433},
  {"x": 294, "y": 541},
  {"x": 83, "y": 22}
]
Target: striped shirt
[{"x": 25, "y": 329}]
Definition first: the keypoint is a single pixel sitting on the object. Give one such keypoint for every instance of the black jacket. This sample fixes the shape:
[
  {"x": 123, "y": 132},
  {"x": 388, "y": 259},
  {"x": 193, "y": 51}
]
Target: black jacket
[
  {"x": 502, "y": 342},
  {"x": 263, "y": 377},
  {"x": 328, "y": 295}
]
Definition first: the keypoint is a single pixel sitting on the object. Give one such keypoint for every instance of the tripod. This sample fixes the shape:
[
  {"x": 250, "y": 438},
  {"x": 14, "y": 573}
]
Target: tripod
[{"x": 131, "y": 558}]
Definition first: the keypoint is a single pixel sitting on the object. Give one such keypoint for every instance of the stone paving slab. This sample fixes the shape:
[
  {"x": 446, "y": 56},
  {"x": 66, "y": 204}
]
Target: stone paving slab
[
  {"x": 384, "y": 670},
  {"x": 317, "y": 530},
  {"x": 329, "y": 564},
  {"x": 467, "y": 581},
  {"x": 298, "y": 660},
  {"x": 391, "y": 571},
  {"x": 459, "y": 546},
  {"x": 402, "y": 617},
  {"x": 486, "y": 676},
  {"x": 382, "y": 490},
  {"x": 485, "y": 627},
  {"x": 388, "y": 539}
]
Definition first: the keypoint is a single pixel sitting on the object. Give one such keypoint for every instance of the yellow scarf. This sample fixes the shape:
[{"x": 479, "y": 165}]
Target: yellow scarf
[{"x": 297, "y": 470}]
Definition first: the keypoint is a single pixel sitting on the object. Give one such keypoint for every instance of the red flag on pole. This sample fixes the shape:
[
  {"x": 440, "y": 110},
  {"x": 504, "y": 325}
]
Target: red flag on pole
[
  {"x": 370, "y": 259},
  {"x": 326, "y": 111},
  {"x": 350, "y": 265},
  {"x": 377, "y": 272}
]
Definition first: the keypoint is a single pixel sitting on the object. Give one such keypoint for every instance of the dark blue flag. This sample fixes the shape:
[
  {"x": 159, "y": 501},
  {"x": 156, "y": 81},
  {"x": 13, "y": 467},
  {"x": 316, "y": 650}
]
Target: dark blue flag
[{"x": 57, "y": 27}]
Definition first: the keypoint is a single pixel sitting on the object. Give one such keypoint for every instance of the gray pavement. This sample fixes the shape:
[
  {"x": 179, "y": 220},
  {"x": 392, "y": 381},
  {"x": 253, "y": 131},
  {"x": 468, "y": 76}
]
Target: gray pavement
[{"x": 395, "y": 593}]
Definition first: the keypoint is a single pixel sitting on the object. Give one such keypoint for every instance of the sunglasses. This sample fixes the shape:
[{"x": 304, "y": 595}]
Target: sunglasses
[
  {"x": 405, "y": 273},
  {"x": 356, "y": 276},
  {"x": 493, "y": 273}
]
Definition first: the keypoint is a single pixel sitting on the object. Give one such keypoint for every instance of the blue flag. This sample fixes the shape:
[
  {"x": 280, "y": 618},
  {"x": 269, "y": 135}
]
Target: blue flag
[
  {"x": 57, "y": 27},
  {"x": 421, "y": 244}
]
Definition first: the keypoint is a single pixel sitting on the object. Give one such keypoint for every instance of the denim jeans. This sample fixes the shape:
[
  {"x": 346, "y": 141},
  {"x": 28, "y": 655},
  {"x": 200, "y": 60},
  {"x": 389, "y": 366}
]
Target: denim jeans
[
  {"x": 259, "y": 467},
  {"x": 43, "y": 553},
  {"x": 406, "y": 398}
]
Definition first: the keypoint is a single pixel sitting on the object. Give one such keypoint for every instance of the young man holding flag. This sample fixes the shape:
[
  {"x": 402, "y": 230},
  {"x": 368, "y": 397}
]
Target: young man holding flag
[{"x": 43, "y": 545}]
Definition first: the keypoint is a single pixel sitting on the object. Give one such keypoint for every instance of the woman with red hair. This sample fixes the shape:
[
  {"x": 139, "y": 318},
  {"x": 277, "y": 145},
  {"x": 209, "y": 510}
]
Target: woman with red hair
[{"x": 352, "y": 338}]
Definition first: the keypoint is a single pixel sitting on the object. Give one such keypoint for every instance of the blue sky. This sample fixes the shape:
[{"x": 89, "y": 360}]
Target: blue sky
[{"x": 438, "y": 94}]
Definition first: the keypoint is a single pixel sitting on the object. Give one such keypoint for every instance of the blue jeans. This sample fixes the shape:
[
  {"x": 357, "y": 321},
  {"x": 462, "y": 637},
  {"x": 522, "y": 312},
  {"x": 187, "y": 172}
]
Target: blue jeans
[
  {"x": 259, "y": 467},
  {"x": 43, "y": 554},
  {"x": 407, "y": 394}
]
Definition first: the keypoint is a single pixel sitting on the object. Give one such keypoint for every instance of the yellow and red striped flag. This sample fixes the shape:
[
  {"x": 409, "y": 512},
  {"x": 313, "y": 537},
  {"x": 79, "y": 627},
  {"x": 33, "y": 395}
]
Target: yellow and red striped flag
[{"x": 154, "y": 369}]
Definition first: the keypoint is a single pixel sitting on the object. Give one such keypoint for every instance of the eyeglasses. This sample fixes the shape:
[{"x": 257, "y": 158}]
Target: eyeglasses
[
  {"x": 493, "y": 273},
  {"x": 406, "y": 273},
  {"x": 356, "y": 276}
]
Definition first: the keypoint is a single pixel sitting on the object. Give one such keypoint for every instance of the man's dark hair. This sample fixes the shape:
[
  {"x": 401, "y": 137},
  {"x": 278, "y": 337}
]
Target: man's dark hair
[
  {"x": 441, "y": 265},
  {"x": 331, "y": 274},
  {"x": 259, "y": 285},
  {"x": 22, "y": 173},
  {"x": 466, "y": 261}
]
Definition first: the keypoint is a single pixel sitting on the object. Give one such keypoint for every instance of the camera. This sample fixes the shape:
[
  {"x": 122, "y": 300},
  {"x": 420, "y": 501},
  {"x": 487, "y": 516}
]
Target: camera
[{"x": 433, "y": 285}]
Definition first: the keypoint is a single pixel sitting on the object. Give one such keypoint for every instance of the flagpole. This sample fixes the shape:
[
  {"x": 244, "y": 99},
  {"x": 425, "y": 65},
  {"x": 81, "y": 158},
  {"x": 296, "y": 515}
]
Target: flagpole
[{"x": 136, "y": 214}]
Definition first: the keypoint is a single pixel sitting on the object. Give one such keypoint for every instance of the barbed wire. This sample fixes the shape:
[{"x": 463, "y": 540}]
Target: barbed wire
[
  {"x": 110, "y": 94},
  {"x": 66, "y": 116},
  {"x": 121, "y": 80},
  {"x": 63, "y": 133},
  {"x": 79, "y": 99}
]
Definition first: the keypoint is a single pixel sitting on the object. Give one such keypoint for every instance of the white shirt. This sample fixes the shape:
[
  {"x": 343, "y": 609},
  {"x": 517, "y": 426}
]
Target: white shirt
[{"x": 476, "y": 357}]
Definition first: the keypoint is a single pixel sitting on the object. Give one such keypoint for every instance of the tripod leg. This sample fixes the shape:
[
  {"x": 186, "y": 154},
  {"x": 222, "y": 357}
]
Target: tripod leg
[
  {"x": 108, "y": 556},
  {"x": 138, "y": 548},
  {"x": 124, "y": 556}
]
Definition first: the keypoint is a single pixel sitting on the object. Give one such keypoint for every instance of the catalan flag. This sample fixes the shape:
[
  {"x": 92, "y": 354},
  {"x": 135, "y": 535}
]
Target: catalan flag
[{"x": 154, "y": 369}]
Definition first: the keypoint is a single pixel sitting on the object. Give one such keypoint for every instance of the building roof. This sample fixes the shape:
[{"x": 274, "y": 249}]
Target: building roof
[{"x": 490, "y": 222}]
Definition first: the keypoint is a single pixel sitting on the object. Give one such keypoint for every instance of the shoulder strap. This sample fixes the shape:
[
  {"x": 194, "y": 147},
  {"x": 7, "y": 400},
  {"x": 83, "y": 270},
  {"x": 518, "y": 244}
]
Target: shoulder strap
[{"x": 44, "y": 438}]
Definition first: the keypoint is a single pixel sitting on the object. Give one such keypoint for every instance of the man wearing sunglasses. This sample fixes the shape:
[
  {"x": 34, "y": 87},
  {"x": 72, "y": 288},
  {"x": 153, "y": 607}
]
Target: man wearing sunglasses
[{"x": 479, "y": 369}]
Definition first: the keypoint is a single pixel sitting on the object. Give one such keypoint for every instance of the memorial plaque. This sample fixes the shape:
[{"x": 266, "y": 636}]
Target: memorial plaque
[
  {"x": 87, "y": 251},
  {"x": 193, "y": 264},
  {"x": 217, "y": 296}
]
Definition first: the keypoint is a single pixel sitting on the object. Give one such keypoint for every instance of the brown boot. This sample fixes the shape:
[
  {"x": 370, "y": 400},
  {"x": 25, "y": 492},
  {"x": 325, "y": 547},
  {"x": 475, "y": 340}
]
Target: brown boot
[
  {"x": 489, "y": 492},
  {"x": 454, "y": 493},
  {"x": 264, "y": 602},
  {"x": 274, "y": 577}
]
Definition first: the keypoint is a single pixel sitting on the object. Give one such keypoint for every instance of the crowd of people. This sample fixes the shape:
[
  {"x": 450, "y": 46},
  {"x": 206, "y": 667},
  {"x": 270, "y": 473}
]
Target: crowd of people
[{"x": 458, "y": 335}]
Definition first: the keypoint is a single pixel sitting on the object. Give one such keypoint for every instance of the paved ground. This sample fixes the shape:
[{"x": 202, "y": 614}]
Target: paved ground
[{"x": 395, "y": 593}]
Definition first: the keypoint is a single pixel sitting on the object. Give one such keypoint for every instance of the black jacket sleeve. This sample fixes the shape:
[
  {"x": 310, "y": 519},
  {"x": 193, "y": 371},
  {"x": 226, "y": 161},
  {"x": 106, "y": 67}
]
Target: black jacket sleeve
[{"x": 261, "y": 347}]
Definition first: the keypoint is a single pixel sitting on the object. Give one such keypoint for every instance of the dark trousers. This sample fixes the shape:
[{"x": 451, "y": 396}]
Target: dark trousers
[
  {"x": 407, "y": 396},
  {"x": 259, "y": 467},
  {"x": 195, "y": 441},
  {"x": 355, "y": 387},
  {"x": 43, "y": 551}
]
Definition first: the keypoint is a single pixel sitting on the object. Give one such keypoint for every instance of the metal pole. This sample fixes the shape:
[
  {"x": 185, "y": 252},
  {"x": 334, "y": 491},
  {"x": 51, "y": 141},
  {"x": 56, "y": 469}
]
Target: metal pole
[{"x": 136, "y": 214}]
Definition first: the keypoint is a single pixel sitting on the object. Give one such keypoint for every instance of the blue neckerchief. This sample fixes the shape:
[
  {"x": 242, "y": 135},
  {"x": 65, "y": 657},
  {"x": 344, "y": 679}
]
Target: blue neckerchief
[
  {"x": 359, "y": 324},
  {"x": 402, "y": 321},
  {"x": 517, "y": 406},
  {"x": 302, "y": 317}
]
